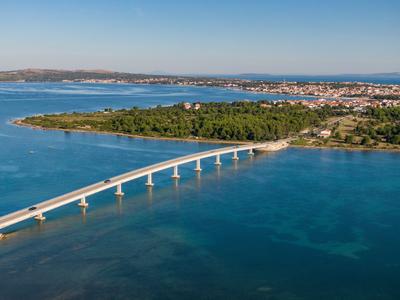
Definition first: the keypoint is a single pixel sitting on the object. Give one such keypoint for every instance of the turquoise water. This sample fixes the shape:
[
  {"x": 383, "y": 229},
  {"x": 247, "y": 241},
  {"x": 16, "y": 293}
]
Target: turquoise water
[{"x": 298, "y": 224}]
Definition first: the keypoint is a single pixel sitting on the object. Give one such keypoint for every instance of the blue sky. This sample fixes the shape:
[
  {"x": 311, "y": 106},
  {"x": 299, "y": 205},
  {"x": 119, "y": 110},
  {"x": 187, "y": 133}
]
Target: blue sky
[{"x": 235, "y": 36}]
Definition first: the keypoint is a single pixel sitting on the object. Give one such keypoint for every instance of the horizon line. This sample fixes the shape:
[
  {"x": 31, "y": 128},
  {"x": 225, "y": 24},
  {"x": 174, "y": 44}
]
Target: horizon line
[{"x": 194, "y": 74}]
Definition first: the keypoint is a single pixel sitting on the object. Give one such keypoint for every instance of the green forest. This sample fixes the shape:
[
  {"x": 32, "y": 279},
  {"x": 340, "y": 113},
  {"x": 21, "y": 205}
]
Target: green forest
[
  {"x": 237, "y": 121},
  {"x": 383, "y": 124}
]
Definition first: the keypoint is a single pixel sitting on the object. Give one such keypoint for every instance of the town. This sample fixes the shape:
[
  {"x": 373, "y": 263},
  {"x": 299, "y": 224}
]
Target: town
[
  {"x": 333, "y": 90},
  {"x": 357, "y": 104},
  {"x": 318, "y": 89}
]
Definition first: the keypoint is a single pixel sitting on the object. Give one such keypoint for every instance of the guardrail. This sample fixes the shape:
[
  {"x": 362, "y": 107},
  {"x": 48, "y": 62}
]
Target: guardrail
[{"x": 36, "y": 211}]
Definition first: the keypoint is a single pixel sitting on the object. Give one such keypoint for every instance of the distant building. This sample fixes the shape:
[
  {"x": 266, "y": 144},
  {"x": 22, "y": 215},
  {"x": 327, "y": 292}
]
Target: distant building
[
  {"x": 264, "y": 105},
  {"x": 187, "y": 105},
  {"x": 197, "y": 106},
  {"x": 325, "y": 133},
  {"x": 305, "y": 131}
]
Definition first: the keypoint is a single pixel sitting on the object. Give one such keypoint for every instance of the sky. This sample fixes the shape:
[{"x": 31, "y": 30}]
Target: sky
[{"x": 203, "y": 36}]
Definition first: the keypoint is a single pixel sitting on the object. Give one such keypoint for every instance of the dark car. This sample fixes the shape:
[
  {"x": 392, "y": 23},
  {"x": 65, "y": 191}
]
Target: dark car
[
  {"x": 32, "y": 208},
  {"x": 107, "y": 181}
]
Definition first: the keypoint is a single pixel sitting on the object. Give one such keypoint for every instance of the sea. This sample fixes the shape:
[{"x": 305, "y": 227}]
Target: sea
[{"x": 294, "y": 224}]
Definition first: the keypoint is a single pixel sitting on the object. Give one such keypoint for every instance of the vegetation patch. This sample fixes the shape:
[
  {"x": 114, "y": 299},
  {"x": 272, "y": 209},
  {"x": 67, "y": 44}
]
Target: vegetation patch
[
  {"x": 371, "y": 128},
  {"x": 241, "y": 121}
]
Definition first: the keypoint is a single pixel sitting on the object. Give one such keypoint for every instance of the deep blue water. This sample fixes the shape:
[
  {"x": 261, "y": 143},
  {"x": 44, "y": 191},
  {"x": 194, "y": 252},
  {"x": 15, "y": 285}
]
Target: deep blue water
[{"x": 297, "y": 224}]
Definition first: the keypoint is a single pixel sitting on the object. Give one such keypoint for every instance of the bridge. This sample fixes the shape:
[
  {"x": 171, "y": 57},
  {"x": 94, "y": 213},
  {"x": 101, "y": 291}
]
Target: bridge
[{"x": 37, "y": 211}]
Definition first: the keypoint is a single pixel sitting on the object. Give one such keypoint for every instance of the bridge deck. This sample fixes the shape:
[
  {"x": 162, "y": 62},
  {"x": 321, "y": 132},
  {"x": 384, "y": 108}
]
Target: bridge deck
[{"x": 53, "y": 203}]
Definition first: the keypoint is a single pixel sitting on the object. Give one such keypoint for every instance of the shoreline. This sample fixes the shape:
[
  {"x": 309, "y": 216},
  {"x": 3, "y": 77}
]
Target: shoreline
[
  {"x": 346, "y": 148},
  {"x": 237, "y": 89},
  {"x": 19, "y": 122}
]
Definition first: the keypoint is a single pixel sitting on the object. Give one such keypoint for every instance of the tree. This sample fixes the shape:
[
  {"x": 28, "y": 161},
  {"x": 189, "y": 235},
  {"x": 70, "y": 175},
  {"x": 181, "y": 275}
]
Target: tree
[
  {"x": 338, "y": 135},
  {"x": 366, "y": 140},
  {"x": 227, "y": 121},
  {"x": 395, "y": 140},
  {"x": 349, "y": 139}
]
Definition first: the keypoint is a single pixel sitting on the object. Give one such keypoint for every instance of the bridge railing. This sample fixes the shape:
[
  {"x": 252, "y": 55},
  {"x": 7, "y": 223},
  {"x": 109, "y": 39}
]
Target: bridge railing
[{"x": 82, "y": 193}]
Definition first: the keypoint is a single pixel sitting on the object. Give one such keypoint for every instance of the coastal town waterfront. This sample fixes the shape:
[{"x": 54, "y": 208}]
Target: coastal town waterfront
[{"x": 337, "y": 89}]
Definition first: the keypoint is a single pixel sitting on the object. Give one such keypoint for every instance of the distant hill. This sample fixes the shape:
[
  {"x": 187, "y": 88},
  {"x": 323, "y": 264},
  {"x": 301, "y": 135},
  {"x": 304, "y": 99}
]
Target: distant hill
[
  {"x": 54, "y": 75},
  {"x": 49, "y": 75}
]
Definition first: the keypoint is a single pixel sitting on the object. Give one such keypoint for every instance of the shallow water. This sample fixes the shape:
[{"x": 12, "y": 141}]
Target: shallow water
[{"x": 298, "y": 224}]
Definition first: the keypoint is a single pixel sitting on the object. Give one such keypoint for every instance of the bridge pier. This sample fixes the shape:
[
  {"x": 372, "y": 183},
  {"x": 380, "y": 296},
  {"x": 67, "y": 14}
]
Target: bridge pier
[
  {"x": 198, "y": 167},
  {"x": 40, "y": 217},
  {"x": 149, "y": 182},
  {"x": 83, "y": 202},
  {"x": 117, "y": 181},
  {"x": 175, "y": 175},
  {"x": 235, "y": 156},
  {"x": 217, "y": 160},
  {"x": 119, "y": 190}
]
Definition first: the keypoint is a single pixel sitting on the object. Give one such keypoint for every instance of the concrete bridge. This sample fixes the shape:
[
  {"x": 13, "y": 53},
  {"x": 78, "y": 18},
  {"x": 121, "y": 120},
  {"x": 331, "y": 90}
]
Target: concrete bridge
[{"x": 37, "y": 211}]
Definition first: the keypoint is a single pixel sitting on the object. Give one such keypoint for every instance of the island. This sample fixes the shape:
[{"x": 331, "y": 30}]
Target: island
[{"x": 339, "y": 126}]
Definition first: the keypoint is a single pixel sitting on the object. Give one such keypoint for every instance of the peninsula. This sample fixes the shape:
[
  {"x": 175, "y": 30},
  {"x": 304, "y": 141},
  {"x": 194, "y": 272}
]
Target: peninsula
[{"x": 243, "y": 121}]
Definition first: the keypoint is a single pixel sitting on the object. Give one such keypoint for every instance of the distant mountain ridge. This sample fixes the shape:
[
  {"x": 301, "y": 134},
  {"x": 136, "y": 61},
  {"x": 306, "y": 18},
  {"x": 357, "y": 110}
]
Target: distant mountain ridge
[
  {"x": 57, "y": 75},
  {"x": 54, "y": 75},
  {"x": 53, "y": 71}
]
